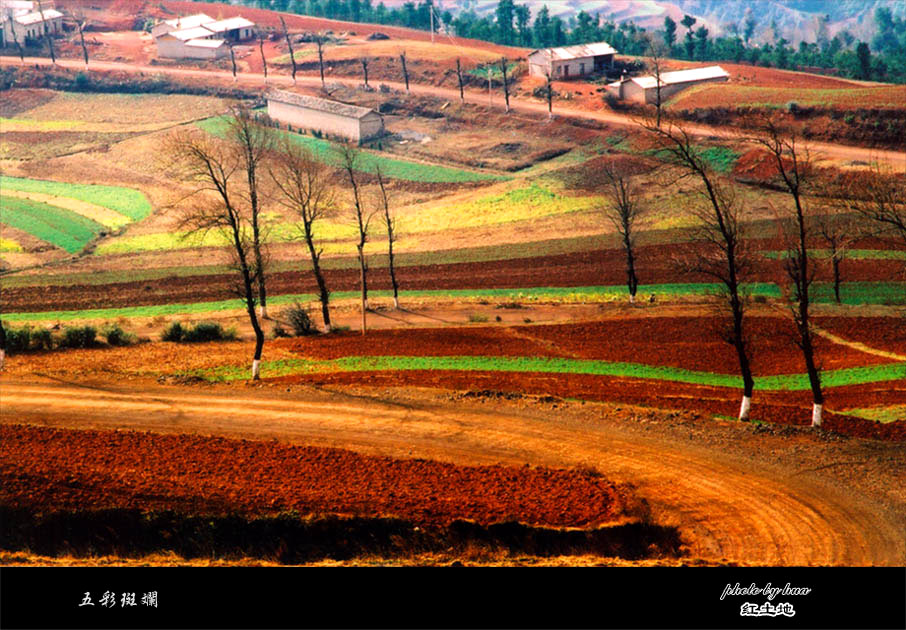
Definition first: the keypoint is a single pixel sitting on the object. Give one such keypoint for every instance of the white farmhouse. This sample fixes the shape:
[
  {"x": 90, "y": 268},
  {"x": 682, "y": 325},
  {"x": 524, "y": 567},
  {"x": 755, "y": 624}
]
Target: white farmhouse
[
  {"x": 200, "y": 36},
  {"x": 571, "y": 61},
  {"x": 644, "y": 89},
  {"x": 333, "y": 118},
  {"x": 22, "y": 22}
]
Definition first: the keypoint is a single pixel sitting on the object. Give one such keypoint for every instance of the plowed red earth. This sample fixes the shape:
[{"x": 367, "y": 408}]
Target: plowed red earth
[
  {"x": 60, "y": 469},
  {"x": 793, "y": 408},
  {"x": 592, "y": 268},
  {"x": 885, "y": 333},
  {"x": 691, "y": 343}
]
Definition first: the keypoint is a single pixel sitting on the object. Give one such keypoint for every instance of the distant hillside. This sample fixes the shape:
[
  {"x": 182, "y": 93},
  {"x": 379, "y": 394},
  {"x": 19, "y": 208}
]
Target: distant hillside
[{"x": 796, "y": 20}]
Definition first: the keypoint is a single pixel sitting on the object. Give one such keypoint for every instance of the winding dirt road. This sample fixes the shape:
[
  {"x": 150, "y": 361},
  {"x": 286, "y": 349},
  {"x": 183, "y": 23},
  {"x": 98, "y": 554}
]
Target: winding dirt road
[
  {"x": 822, "y": 150},
  {"x": 728, "y": 507}
]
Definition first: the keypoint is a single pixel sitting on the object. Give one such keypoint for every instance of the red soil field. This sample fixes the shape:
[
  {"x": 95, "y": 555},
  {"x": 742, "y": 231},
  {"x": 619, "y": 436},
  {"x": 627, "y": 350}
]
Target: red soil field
[
  {"x": 793, "y": 408},
  {"x": 691, "y": 343},
  {"x": 59, "y": 469},
  {"x": 602, "y": 267},
  {"x": 885, "y": 333}
]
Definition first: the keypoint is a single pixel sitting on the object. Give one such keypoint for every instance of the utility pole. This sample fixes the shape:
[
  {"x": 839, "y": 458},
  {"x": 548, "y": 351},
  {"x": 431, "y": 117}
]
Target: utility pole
[{"x": 489, "y": 86}]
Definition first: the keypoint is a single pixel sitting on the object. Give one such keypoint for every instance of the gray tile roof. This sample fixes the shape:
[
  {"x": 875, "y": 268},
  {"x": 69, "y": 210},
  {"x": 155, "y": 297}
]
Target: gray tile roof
[{"x": 320, "y": 104}]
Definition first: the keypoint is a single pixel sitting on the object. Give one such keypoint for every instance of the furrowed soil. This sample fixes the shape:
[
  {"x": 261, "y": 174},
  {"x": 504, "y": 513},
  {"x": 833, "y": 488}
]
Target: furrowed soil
[
  {"x": 602, "y": 267},
  {"x": 59, "y": 470}
]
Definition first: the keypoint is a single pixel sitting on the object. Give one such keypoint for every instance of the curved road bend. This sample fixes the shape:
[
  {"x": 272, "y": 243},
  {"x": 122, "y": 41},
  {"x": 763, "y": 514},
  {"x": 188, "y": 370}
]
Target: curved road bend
[
  {"x": 726, "y": 507},
  {"x": 821, "y": 149}
]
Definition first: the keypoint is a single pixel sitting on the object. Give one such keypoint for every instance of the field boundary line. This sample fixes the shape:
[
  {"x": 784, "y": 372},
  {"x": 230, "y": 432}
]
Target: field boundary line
[{"x": 856, "y": 345}]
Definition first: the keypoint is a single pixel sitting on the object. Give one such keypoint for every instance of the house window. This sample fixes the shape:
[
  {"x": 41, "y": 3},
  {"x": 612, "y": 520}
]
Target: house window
[
  {"x": 566, "y": 70},
  {"x": 581, "y": 68}
]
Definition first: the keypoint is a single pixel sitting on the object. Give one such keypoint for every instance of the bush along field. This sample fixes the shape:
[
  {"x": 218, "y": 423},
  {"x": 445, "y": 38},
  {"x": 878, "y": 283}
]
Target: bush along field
[{"x": 68, "y": 216}]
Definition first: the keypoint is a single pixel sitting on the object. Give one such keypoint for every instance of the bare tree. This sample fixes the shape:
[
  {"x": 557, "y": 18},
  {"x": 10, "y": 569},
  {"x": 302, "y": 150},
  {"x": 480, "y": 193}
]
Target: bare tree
[
  {"x": 12, "y": 28},
  {"x": 53, "y": 57},
  {"x": 550, "y": 96},
  {"x": 462, "y": 96},
  {"x": 214, "y": 169},
  {"x": 720, "y": 252},
  {"x": 506, "y": 84},
  {"x": 263, "y": 58},
  {"x": 623, "y": 208},
  {"x": 656, "y": 53},
  {"x": 289, "y": 45},
  {"x": 254, "y": 143},
  {"x": 319, "y": 42},
  {"x": 795, "y": 175},
  {"x": 390, "y": 224},
  {"x": 80, "y": 23},
  {"x": 306, "y": 189},
  {"x": 233, "y": 61},
  {"x": 364, "y": 61},
  {"x": 838, "y": 231},
  {"x": 405, "y": 70},
  {"x": 879, "y": 195},
  {"x": 350, "y": 157}
]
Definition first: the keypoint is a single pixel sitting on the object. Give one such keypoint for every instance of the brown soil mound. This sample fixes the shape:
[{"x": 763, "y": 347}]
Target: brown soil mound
[{"x": 57, "y": 469}]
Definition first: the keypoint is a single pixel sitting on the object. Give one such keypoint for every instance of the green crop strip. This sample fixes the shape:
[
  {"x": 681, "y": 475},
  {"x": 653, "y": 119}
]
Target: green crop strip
[
  {"x": 542, "y": 365},
  {"x": 528, "y": 295},
  {"x": 328, "y": 152},
  {"x": 893, "y": 413},
  {"x": 126, "y": 201},
  {"x": 65, "y": 229}
]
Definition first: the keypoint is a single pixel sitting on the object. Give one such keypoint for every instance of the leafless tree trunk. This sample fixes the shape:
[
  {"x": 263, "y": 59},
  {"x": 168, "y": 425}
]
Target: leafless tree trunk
[
  {"x": 80, "y": 24},
  {"x": 364, "y": 61},
  {"x": 263, "y": 58},
  {"x": 794, "y": 173},
  {"x": 656, "y": 52},
  {"x": 550, "y": 97},
  {"x": 213, "y": 167},
  {"x": 362, "y": 219},
  {"x": 462, "y": 96},
  {"x": 623, "y": 209},
  {"x": 837, "y": 231},
  {"x": 233, "y": 61},
  {"x": 390, "y": 223},
  {"x": 720, "y": 233},
  {"x": 506, "y": 84},
  {"x": 53, "y": 57},
  {"x": 12, "y": 28},
  {"x": 289, "y": 45},
  {"x": 405, "y": 71},
  {"x": 305, "y": 188},
  {"x": 319, "y": 41},
  {"x": 255, "y": 143}
]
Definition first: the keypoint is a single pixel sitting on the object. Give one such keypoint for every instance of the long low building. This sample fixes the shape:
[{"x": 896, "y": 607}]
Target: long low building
[
  {"x": 200, "y": 36},
  {"x": 333, "y": 118},
  {"x": 571, "y": 61},
  {"x": 644, "y": 89}
]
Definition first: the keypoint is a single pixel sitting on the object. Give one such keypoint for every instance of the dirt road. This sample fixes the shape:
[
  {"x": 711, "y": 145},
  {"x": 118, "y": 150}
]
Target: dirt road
[
  {"x": 822, "y": 150},
  {"x": 729, "y": 505}
]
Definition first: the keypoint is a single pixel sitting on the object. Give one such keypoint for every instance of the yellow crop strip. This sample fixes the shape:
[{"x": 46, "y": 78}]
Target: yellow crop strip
[{"x": 105, "y": 216}]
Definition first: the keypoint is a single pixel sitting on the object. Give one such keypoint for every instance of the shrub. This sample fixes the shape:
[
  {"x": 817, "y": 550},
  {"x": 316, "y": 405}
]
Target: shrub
[
  {"x": 116, "y": 336},
  {"x": 17, "y": 339},
  {"x": 280, "y": 331},
  {"x": 477, "y": 318},
  {"x": 78, "y": 337},
  {"x": 299, "y": 319},
  {"x": 208, "y": 331},
  {"x": 174, "y": 332},
  {"x": 42, "y": 339}
]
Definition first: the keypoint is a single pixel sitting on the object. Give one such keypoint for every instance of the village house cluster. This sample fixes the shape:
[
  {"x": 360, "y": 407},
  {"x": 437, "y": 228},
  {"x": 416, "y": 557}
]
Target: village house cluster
[
  {"x": 200, "y": 36},
  {"x": 24, "y": 22}
]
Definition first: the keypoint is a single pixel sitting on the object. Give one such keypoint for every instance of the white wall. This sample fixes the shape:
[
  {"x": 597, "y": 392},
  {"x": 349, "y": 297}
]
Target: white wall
[{"x": 325, "y": 122}]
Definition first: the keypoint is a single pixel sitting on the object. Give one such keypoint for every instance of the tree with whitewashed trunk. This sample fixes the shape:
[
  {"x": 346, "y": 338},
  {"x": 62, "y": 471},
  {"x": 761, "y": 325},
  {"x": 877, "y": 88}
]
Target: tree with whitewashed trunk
[
  {"x": 304, "y": 185},
  {"x": 795, "y": 174},
  {"x": 253, "y": 143},
  {"x": 213, "y": 168},
  {"x": 350, "y": 160},
  {"x": 718, "y": 249},
  {"x": 392, "y": 235},
  {"x": 623, "y": 208}
]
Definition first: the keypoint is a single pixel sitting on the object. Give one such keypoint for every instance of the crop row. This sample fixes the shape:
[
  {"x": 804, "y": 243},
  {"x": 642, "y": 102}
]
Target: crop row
[
  {"x": 9, "y": 245},
  {"x": 128, "y": 202},
  {"x": 65, "y": 229},
  {"x": 393, "y": 168},
  {"x": 858, "y": 292},
  {"x": 545, "y": 365}
]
